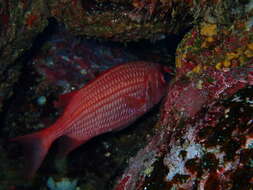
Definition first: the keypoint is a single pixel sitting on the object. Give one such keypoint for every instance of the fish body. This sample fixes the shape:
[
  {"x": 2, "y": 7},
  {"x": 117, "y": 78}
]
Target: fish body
[{"x": 113, "y": 100}]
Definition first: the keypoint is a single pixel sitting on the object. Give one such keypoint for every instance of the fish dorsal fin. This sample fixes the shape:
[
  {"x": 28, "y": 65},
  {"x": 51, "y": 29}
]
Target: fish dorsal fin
[
  {"x": 66, "y": 144},
  {"x": 64, "y": 99}
]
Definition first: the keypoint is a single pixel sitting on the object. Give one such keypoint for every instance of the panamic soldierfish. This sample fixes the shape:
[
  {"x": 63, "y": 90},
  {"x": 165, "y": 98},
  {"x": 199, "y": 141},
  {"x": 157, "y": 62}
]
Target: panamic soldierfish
[{"x": 112, "y": 101}]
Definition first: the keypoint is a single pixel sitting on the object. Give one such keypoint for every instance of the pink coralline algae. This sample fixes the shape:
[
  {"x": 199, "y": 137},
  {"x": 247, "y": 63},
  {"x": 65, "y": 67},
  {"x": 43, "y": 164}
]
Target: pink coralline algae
[
  {"x": 140, "y": 167},
  {"x": 209, "y": 150},
  {"x": 187, "y": 98}
]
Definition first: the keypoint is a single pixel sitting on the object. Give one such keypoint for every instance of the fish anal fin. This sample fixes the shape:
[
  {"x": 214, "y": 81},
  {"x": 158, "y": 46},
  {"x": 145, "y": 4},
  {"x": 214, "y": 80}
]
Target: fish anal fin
[
  {"x": 134, "y": 102},
  {"x": 64, "y": 99},
  {"x": 66, "y": 144}
]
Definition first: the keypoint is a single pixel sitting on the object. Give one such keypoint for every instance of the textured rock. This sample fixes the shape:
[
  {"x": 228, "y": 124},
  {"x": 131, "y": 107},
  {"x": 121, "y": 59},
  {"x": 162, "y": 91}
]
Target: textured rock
[
  {"x": 20, "y": 21},
  {"x": 206, "y": 123},
  {"x": 123, "y": 20}
]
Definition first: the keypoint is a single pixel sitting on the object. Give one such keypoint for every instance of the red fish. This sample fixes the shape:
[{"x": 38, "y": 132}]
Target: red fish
[{"x": 110, "y": 102}]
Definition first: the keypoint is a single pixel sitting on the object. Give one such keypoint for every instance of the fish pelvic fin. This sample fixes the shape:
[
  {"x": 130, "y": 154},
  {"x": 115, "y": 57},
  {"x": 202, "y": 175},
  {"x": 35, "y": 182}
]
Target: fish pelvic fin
[{"x": 35, "y": 147}]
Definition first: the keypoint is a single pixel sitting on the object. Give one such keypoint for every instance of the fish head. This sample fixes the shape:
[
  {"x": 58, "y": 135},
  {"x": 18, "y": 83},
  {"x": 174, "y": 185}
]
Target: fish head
[{"x": 158, "y": 82}]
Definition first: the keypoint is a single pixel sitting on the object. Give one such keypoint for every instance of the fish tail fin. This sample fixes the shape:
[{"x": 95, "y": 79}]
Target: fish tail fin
[{"x": 36, "y": 146}]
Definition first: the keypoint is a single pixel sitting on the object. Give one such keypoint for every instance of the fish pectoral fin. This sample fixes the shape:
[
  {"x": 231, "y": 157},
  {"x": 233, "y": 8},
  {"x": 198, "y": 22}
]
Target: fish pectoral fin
[
  {"x": 64, "y": 99},
  {"x": 66, "y": 144},
  {"x": 135, "y": 103}
]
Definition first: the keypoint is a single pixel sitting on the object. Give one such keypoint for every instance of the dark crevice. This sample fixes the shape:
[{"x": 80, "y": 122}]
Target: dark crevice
[
  {"x": 24, "y": 81},
  {"x": 90, "y": 6}
]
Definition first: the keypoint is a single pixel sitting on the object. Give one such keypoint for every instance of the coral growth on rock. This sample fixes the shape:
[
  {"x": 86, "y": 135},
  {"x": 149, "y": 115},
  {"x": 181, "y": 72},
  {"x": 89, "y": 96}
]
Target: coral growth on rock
[
  {"x": 203, "y": 138},
  {"x": 204, "y": 132}
]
